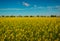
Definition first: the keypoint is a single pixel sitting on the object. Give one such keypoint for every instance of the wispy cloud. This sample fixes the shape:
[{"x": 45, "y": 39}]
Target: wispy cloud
[
  {"x": 40, "y": 7},
  {"x": 34, "y": 7},
  {"x": 37, "y": 7},
  {"x": 47, "y": 7},
  {"x": 25, "y": 4},
  {"x": 57, "y": 7},
  {"x": 53, "y": 7},
  {"x": 11, "y": 9}
]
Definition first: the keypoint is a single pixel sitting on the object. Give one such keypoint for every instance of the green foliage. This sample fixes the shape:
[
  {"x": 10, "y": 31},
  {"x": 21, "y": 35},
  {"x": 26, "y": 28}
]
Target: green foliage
[
  {"x": 19, "y": 16},
  {"x": 12, "y": 16},
  {"x": 53, "y": 15},
  {"x": 26, "y": 16},
  {"x": 37, "y": 16},
  {"x": 31, "y": 16}
]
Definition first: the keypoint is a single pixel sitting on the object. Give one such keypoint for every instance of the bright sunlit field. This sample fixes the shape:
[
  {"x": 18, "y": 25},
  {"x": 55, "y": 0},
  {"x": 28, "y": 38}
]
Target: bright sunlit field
[{"x": 29, "y": 29}]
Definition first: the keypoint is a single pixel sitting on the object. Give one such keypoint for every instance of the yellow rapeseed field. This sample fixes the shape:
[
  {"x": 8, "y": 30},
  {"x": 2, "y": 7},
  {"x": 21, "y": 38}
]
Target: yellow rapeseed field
[{"x": 29, "y": 29}]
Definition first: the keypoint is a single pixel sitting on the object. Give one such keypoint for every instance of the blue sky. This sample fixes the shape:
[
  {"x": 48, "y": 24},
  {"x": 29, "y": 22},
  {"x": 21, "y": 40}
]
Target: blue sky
[{"x": 29, "y": 7}]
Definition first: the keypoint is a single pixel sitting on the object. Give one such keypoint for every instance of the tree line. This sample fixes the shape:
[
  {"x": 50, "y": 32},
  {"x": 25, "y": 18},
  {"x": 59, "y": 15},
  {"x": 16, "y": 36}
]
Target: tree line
[{"x": 30, "y": 16}]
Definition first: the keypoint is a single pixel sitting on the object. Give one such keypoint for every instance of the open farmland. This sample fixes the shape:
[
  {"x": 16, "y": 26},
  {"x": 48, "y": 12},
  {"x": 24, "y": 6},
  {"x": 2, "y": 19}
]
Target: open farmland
[{"x": 29, "y": 29}]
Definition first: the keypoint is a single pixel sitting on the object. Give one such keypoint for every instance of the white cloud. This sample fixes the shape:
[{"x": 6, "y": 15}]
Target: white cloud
[
  {"x": 37, "y": 7},
  {"x": 26, "y": 4},
  {"x": 11, "y": 9},
  {"x": 47, "y": 7},
  {"x": 34, "y": 7},
  {"x": 50, "y": 7},
  {"x": 57, "y": 7},
  {"x": 53, "y": 7}
]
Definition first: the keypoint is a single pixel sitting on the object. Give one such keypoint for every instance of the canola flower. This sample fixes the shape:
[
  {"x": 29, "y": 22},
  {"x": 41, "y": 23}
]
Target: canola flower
[{"x": 30, "y": 29}]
